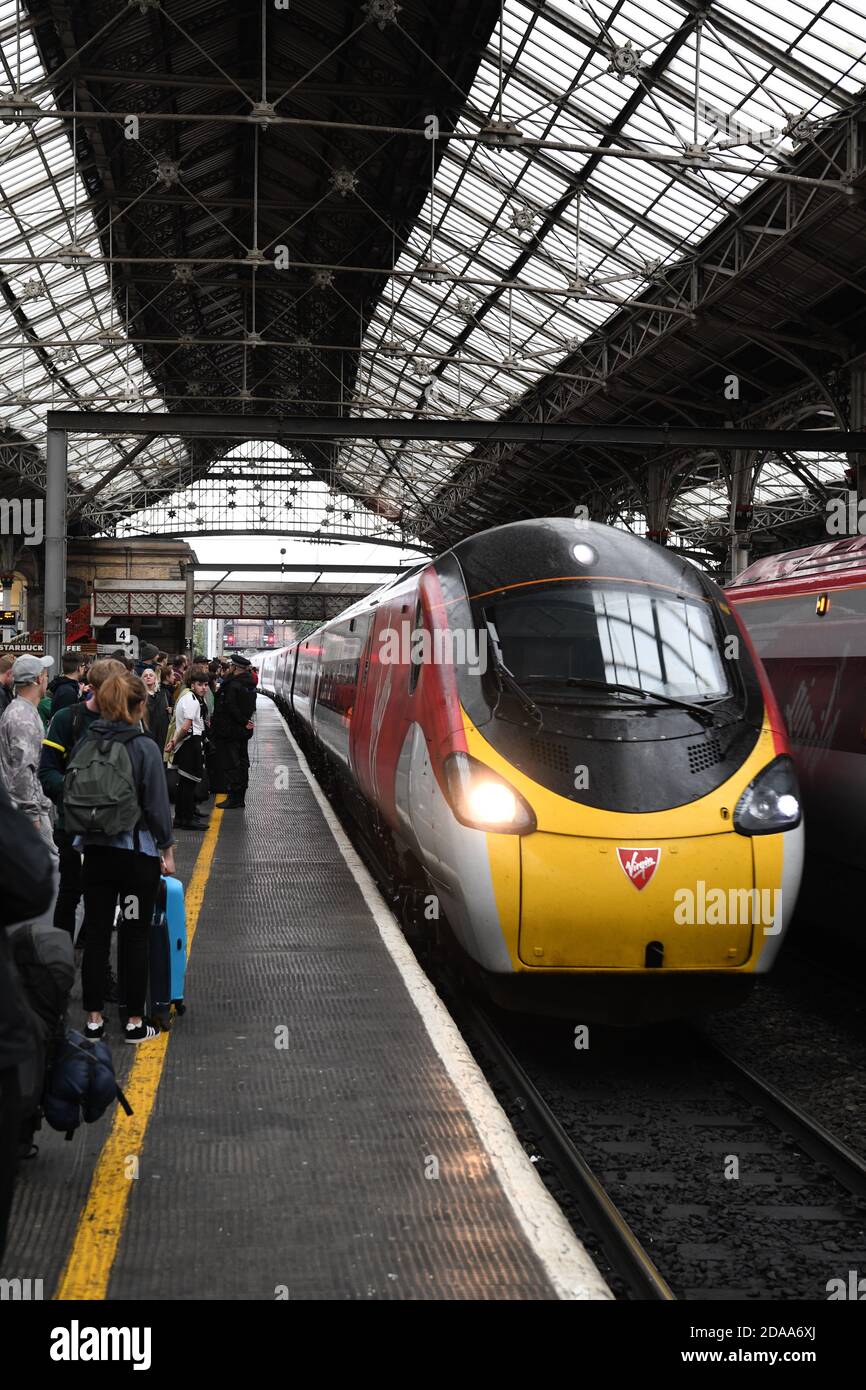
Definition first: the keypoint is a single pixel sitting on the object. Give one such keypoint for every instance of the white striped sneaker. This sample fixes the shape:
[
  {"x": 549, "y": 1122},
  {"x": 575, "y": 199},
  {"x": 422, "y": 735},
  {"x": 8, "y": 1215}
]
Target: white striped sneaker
[{"x": 140, "y": 1032}]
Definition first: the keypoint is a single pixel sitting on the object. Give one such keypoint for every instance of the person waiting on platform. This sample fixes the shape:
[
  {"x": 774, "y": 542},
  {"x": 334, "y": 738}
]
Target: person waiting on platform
[
  {"x": 182, "y": 687},
  {"x": 210, "y": 691},
  {"x": 21, "y": 735},
  {"x": 186, "y": 750},
  {"x": 6, "y": 691},
  {"x": 171, "y": 678},
  {"x": 147, "y": 655},
  {"x": 66, "y": 688},
  {"x": 125, "y": 866},
  {"x": 65, "y": 731},
  {"x": 231, "y": 731},
  {"x": 158, "y": 707},
  {"x": 25, "y": 872}
]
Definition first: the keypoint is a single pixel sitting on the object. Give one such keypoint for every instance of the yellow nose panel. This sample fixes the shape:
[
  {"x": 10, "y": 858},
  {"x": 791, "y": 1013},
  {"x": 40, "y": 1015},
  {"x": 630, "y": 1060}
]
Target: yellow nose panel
[{"x": 587, "y": 906}]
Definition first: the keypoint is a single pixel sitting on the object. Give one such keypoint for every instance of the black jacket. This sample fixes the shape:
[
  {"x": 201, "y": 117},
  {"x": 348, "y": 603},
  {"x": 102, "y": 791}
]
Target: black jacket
[
  {"x": 61, "y": 738},
  {"x": 25, "y": 872},
  {"x": 158, "y": 716},
  {"x": 66, "y": 692},
  {"x": 5, "y": 696},
  {"x": 234, "y": 706}
]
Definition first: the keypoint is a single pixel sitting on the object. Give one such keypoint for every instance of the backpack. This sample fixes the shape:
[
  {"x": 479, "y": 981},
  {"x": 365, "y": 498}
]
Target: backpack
[
  {"x": 81, "y": 1084},
  {"x": 46, "y": 968},
  {"x": 99, "y": 792},
  {"x": 78, "y": 727},
  {"x": 43, "y": 958}
]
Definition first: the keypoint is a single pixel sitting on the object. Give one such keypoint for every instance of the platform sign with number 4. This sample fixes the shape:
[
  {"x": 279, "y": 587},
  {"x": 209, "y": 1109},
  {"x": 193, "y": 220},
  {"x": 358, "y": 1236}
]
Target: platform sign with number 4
[{"x": 122, "y": 635}]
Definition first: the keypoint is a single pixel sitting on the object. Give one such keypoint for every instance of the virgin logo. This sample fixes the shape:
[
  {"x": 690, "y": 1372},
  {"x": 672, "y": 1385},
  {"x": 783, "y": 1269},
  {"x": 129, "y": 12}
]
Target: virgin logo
[{"x": 639, "y": 865}]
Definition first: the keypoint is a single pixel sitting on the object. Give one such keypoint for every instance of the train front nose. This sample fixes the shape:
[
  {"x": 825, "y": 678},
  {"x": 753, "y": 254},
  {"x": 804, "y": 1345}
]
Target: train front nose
[{"x": 635, "y": 904}]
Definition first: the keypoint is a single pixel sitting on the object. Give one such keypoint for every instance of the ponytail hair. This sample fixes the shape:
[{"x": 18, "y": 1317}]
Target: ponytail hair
[{"x": 120, "y": 696}]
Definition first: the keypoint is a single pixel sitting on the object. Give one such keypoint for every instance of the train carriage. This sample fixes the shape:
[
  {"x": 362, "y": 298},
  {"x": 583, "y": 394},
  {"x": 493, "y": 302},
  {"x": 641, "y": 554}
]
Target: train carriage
[
  {"x": 805, "y": 612},
  {"x": 563, "y": 733}
]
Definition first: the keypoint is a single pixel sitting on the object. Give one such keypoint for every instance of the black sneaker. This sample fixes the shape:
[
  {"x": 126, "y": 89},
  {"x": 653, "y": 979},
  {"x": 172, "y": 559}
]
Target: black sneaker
[
  {"x": 94, "y": 1030},
  {"x": 142, "y": 1032}
]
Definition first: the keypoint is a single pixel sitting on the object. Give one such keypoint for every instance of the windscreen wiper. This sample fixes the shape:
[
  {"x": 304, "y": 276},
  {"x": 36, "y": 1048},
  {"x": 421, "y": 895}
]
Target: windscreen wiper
[
  {"x": 702, "y": 713},
  {"x": 506, "y": 680}
]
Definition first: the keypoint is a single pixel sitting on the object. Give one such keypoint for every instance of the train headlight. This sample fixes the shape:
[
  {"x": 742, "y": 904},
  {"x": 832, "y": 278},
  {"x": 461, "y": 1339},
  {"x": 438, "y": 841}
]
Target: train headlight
[
  {"x": 584, "y": 554},
  {"x": 770, "y": 803},
  {"x": 484, "y": 800}
]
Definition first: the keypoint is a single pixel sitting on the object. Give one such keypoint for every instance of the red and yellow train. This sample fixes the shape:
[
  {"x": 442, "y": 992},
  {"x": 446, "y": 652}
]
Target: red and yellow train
[{"x": 561, "y": 734}]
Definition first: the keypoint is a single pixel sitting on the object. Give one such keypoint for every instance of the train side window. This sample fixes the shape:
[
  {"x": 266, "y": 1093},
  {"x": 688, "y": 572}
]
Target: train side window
[{"x": 414, "y": 657}]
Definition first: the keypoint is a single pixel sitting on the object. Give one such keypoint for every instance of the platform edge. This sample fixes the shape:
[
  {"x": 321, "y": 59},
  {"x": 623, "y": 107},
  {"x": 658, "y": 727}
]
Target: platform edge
[{"x": 564, "y": 1259}]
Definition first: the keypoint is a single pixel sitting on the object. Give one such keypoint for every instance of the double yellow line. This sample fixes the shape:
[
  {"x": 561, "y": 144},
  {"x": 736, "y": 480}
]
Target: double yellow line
[{"x": 88, "y": 1268}]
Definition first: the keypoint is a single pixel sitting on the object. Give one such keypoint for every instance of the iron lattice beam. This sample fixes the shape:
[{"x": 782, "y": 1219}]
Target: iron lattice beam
[
  {"x": 516, "y": 431},
  {"x": 763, "y": 230}
]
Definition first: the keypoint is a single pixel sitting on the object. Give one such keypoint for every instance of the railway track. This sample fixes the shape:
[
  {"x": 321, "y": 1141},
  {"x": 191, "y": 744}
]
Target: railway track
[
  {"x": 681, "y": 1099},
  {"x": 698, "y": 1179},
  {"x": 627, "y": 1256}
]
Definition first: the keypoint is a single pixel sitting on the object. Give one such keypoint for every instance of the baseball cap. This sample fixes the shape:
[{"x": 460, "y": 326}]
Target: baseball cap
[{"x": 26, "y": 669}]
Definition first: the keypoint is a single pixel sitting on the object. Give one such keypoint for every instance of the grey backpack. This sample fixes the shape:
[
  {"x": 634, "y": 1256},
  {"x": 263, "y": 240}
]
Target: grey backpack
[{"x": 99, "y": 792}]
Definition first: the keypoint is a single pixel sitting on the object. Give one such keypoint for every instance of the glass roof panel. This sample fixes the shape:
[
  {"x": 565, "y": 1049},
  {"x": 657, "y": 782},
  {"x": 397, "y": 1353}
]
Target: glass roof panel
[
  {"x": 50, "y": 352},
  {"x": 506, "y": 271},
  {"x": 583, "y": 65}
]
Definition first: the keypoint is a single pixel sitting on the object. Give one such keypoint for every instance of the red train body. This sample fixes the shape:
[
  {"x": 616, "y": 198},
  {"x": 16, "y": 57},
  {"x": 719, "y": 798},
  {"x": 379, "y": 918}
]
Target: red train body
[
  {"x": 522, "y": 724},
  {"x": 805, "y": 612}
]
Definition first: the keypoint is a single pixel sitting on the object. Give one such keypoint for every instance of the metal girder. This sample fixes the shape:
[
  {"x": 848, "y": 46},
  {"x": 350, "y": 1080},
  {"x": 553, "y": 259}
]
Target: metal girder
[
  {"x": 433, "y": 70},
  {"x": 483, "y": 483},
  {"x": 744, "y": 243},
  {"x": 23, "y": 461},
  {"x": 766, "y": 517},
  {"x": 185, "y": 600},
  {"x": 312, "y": 568},
  {"x": 518, "y": 431}
]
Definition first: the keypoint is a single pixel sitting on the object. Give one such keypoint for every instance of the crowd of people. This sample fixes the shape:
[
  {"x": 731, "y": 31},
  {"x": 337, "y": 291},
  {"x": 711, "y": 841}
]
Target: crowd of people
[
  {"x": 195, "y": 719},
  {"x": 91, "y": 758}
]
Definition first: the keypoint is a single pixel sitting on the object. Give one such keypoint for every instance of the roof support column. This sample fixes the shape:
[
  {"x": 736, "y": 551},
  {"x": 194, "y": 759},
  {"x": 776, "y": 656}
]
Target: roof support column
[
  {"x": 741, "y": 491},
  {"x": 56, "y": 482},
  {"x": 189, "y": 611},
  {"x": 658, "y": 503},
  {"x": 857, "y": 393}
]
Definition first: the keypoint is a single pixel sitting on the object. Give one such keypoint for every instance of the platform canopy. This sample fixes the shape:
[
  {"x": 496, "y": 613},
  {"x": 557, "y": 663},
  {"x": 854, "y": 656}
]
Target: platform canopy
[{"x": 592, "y": 210}]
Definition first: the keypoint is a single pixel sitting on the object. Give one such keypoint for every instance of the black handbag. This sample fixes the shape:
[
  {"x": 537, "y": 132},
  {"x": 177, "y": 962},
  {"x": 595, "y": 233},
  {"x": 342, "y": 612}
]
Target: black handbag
[{"x": 172, "y": 777}]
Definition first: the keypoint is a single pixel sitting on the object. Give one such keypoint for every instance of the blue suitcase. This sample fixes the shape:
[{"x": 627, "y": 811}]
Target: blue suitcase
[{"x": 167, "y": 953}]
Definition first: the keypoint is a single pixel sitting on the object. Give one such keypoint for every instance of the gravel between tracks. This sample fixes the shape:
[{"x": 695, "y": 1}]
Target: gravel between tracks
[
  {"x": 660, "y": 1127},
  {"x": 806, "y": 1033}
]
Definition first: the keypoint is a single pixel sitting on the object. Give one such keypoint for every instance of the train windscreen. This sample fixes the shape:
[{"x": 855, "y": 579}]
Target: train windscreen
[{"x": 666, "y": 644}]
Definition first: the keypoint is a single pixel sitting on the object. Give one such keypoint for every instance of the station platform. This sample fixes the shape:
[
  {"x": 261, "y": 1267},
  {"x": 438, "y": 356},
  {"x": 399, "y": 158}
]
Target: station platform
[{"x": 313, "y": 1127}]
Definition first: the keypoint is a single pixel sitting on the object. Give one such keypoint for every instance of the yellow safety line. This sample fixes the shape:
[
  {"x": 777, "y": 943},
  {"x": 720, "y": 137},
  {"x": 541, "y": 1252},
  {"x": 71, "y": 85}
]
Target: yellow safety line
[{"x": 97, "y": 1237}]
